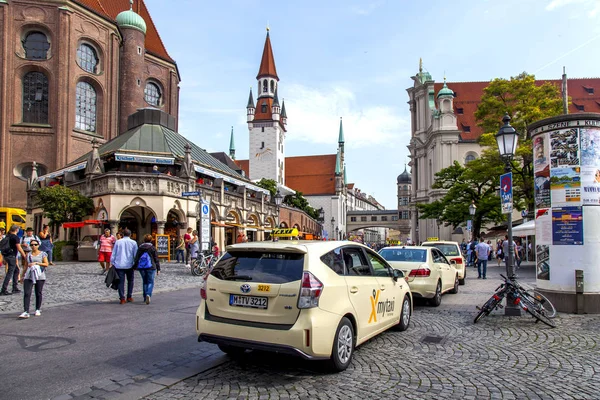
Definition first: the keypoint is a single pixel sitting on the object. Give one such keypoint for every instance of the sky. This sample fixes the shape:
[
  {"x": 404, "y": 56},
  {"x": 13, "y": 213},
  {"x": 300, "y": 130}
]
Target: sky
[{"x": 354, "y": 59}]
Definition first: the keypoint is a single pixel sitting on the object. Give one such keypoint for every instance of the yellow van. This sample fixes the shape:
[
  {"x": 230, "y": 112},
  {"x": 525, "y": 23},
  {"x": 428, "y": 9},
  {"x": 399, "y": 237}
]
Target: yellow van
[{"x": 10, "y": 216}]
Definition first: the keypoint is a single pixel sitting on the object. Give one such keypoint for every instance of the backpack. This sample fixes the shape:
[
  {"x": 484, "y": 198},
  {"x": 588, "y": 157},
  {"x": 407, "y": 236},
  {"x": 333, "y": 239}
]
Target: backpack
[
  {"x": 145, "y": 262},
  {"x": 5, "y": 246}
]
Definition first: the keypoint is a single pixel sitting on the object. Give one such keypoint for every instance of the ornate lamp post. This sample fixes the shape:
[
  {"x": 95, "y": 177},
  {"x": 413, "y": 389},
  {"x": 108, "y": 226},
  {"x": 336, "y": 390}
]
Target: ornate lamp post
[
  {"x": 472, "y": 211},
  {"x": 332, "y": 224},
  {"x": 507, "y": 138},
  {"x": 278, "y": 200},
  {"x": 321, "y": 219}
]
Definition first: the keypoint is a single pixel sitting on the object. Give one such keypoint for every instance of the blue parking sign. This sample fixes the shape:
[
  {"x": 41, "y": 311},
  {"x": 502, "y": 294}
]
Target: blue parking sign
[{"x": 506, "y": 193}]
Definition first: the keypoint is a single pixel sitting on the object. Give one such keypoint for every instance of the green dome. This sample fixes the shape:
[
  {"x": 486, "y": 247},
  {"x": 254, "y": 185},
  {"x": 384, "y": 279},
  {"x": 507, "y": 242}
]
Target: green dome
[
  {"x": 130, "y": 19},
  {"x": 445, "y": 91}
]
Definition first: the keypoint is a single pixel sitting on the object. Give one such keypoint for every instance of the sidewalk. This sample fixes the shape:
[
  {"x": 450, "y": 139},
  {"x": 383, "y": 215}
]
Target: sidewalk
[{"x": 72, "y": 282}]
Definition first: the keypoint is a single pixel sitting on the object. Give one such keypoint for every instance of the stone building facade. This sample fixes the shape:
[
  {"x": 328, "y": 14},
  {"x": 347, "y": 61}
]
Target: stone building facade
[{"x": 72, "y": 72}]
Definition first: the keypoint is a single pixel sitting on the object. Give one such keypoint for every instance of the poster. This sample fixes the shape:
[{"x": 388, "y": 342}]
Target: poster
[
  {"x": 590, "y": 186},
  {"x": 564, "y": 148},
  {"x": 590, "y": 147},
  {"x": 542, "y": 257},
  {"x": 541, "y": 187},
  {"x": 543, "y": 226},
  {"x": 565, "y": 186},
  {"x": 567, "y": 226},
  {"x": 541, "y": 152}
]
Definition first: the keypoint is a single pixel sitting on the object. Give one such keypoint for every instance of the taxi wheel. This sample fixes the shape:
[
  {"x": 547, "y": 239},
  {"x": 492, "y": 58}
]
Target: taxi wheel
[
  {"x": 232, "y": 351},
  {"x": 462, "y": 281},
  {"x": 455, "y": 288},
  {"x": 404, "y": 315},
  {"x": 343, "y": 346},
  {"x": 437, "y": 297}
]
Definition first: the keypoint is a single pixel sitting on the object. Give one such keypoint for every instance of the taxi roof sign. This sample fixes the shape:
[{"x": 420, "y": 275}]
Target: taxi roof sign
[
  {"x": 433, "y": 239},
  {"x": 284, "y": 232}
]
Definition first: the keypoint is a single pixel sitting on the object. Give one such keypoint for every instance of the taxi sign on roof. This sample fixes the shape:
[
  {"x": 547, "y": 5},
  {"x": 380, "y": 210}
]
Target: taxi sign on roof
[
  {"x": 287, "y": 232},
  {"x": 432, "y": 239}
]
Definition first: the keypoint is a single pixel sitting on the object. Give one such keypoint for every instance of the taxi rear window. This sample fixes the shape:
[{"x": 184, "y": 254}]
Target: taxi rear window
[
  {"x": 260, "y": 267},
  {"x": 446, "y": 249},
  {"x": 408, "y": 255}
]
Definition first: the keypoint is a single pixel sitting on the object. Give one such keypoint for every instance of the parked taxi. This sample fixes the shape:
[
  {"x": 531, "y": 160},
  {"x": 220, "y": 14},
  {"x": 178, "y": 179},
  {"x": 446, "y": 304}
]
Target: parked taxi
[
  {"x": 426, "y": 269},
  {"x": 317, "y": 299},
  {"x": 452, "y": 252}
]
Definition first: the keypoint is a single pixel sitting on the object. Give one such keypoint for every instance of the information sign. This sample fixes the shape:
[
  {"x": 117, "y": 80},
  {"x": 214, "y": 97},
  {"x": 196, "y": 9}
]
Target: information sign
[
  {"x": 188, "y": 194},
  {"x": 205, "y": 225},
  {"x": 506, "y": 193}
]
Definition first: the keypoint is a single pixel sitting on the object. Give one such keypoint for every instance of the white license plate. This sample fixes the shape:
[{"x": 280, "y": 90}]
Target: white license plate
[{"x": 248, "y": 301}]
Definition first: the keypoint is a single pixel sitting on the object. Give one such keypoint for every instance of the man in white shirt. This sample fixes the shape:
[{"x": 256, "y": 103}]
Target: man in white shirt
[
  {"x": 122, "y": 258},
  {"x": 515, "y": 255},
  {"x": 483, "y": 253}
]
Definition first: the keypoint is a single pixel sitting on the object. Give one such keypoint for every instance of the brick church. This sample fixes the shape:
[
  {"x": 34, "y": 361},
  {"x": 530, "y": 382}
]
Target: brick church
[{"x": 73, "y": 71}]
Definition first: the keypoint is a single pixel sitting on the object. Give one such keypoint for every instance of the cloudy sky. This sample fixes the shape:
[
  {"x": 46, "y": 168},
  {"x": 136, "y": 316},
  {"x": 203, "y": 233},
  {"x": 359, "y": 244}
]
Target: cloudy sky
[{"x": 354, "y": 59}]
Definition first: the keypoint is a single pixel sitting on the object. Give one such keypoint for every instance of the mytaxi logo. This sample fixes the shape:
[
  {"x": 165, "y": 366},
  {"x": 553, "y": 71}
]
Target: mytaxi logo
[{"x": 380, "y": 307}]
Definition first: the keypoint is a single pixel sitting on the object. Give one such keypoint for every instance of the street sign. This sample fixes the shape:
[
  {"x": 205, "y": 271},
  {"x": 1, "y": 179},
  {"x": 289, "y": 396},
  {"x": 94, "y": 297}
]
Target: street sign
[
  {"x": 469, "y": 225},
  {"x": 205, "y": 225},
  {"x": 187, "y": 194},
  {"x": 524, "y": 213},
  {"x": 506, "y": 193}
]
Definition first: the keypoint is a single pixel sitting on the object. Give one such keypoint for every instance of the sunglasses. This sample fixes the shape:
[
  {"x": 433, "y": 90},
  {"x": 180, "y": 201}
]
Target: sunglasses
[{"x": 33, "y": 244}]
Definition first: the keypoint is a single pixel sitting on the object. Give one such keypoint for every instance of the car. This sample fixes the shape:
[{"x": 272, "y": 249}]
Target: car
[
  {"x": 315, "y": 299},
  {"x": 452, "y": 252},
  {"x": 427, "y": 271}
]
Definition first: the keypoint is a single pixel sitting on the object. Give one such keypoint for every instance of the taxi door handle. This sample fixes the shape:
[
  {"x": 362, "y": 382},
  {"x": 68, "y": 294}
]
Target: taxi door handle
[{"x": 353, "y": 289}]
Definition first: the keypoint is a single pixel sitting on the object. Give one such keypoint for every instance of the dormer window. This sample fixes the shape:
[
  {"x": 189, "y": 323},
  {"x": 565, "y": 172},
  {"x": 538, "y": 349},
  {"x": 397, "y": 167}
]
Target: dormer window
[
  {"x": 589, "y": 90},
  {"x": 579, "y": 107}
]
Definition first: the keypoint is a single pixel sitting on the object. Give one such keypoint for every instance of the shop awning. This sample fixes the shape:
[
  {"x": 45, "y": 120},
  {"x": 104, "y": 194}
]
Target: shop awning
[
  {"x": 60, "y": 172},
  {"x": 229, "y": 179},
  {"x": 81, "y": 224},
  {"x": 136, "y": 158}
]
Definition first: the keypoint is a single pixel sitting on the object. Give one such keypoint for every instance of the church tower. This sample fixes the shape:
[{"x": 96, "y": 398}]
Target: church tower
[{"x": 266, "y": 123}]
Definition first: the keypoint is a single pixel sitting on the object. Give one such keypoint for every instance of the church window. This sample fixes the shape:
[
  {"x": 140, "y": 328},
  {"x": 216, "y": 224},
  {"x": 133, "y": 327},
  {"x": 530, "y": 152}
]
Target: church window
[
  {"x": 466, "y": 128},
  {"x": 85, "y": 107},
  {"x": 35, "y": 98},
  {"x": 470, "y": 157},
  {"x": 460, "y": 110},
  {"x": 265, "y": 86},
  {"x": 87, "y": 58},
  {"x": 152, "y": 94},
  {"x": 272, "y": 86},
  {"x": 36, "y": 46},
  {"x": 263, "y": 107}
]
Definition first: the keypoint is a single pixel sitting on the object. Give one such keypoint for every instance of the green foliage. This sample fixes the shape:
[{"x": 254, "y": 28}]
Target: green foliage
[
  {"x": 299, "y": 201},
  {"x": 268, "y": 184},
  {"x": 525, "y": 102},
  {"x": 459, "y": 187},
  {"x": 58, "y": 246},
  {"x": 61, "y": 204}
]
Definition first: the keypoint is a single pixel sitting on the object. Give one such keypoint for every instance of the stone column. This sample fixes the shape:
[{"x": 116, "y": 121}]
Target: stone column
[{"x": 160, "y": 226}]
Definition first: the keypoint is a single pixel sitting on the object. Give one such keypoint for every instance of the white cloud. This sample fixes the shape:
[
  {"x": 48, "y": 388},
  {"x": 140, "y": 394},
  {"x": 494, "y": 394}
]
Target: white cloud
[
  {"x": 314, "y": 114},
  {"x": 365, "y": 9},
  {"x": 592, "y": 7}
]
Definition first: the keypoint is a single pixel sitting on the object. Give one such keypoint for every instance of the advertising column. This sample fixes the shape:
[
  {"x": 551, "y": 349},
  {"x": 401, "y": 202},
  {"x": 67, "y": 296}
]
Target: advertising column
[{"x": 566, "y": 160}]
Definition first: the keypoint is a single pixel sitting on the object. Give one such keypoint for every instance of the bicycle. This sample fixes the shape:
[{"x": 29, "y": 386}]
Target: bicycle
[
  {"x": 533, "y": 303},
  {"x": 203, "y": 265}
]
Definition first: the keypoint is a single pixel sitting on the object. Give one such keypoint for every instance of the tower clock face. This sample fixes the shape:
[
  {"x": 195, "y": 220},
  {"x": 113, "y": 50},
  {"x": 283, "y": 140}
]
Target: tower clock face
[{"x": 264, "y": 154}]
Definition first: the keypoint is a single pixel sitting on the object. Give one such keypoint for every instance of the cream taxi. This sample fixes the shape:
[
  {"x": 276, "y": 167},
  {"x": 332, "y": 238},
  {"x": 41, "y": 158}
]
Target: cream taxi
[
  {"x": 315, "y": 299},
  {"x": 427, "y": 271},
  {"x": 452, "y": 252}
]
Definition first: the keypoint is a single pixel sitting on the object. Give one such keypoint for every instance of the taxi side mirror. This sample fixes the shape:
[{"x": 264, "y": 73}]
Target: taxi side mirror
[{"x": 397, "y": 274}]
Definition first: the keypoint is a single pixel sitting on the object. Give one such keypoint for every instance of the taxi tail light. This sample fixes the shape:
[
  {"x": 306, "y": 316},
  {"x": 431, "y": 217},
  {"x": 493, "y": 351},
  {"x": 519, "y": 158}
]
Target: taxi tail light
[
  {"x": 203, "y": 290},
  {"x": 310, "y": 291},
  {"x": 421, "y": 272},
  {"x": 458, "y": 260}
]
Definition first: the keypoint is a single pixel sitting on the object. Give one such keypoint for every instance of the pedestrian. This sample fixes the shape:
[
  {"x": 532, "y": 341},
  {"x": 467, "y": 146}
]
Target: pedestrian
[
  {"x": 122, "y": 258},
  {"x": 215, "y": 249},
  {"x": 180, "y": 249},
  {"x": 186, "y": 238},
  {"x": 483, "y": 252},
  {"x": 240, "y": 237},
  {"x": 34, "y": 276},
  {"x": 9, "y": 254},
  {"x": 491, "y": 256},
  {"x": 107, "y": 242},
  {"x": 499, "y": 252},
  {"x": 147, "y": 263},
  {"x": 119, "y": 235},
  {"x": 505, "y": 250},
  {"x": 519, "y": 252},
  {"x": 46, "y": 244},
  {"x": 194, "y": 246},
  {"x": 25, "y": 240}
]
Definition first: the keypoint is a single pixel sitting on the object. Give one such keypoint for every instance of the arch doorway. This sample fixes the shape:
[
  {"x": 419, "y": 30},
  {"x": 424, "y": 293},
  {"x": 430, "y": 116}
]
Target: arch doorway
[{"x": 139, "y": 220}]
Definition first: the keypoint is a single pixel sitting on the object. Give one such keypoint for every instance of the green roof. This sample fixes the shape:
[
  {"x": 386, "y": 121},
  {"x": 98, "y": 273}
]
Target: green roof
[
  {"x": 445, "y": 91},
  {"x": 131, "y": 19},
  {"x": 341, "y": 136}
]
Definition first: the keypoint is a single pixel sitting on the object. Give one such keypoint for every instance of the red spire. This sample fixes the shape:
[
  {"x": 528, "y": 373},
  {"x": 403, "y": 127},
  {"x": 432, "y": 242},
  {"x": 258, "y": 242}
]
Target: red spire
[{"x": 267, "y": 64}]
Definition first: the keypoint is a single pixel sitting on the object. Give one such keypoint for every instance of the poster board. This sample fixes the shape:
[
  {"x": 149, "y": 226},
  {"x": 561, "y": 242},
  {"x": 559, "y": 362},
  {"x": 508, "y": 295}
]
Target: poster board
[{"x": 163, "y": 249}]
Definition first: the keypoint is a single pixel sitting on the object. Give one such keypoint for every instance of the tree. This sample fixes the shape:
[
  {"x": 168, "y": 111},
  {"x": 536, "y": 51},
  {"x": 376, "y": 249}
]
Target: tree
[
  {"x": 268, "y": 184},
  {"x": 477, "y": 182},
  {"x": 526, "y": 102},
  {"x": 297, "y": 200},
  {"x": 61, "y": 204}
]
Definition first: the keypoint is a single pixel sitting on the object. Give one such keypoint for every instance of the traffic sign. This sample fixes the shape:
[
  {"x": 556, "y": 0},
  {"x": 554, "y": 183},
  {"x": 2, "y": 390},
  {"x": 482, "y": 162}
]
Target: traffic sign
[
  {"x": 506, "y": 193},
  {"x": 187, "y": 194},
  {"x": 469, "y": 225},
  {"x": 205, "y": 225}
]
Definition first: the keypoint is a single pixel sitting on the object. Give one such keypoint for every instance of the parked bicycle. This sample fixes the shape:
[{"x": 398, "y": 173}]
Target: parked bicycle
[
  {"x": 202, "y": 265},
  {"x": 528, "y": 299}
]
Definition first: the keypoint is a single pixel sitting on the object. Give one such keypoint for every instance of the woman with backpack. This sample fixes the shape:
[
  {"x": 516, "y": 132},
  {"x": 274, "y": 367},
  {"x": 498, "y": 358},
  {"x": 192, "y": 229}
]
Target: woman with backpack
[{"x": 146, "y": 261}]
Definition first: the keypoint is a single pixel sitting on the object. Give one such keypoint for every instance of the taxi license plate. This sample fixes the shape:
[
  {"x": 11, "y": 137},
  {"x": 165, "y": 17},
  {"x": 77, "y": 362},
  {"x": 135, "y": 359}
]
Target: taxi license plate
[{"x": 248, "y": 301}]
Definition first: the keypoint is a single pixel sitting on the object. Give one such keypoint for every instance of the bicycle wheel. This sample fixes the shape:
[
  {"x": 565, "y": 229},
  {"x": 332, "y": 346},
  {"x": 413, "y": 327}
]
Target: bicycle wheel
[
  {"x": 542, "y": 304},
  {"x": 533, "y": 310},
  {"x": 196, "y": 268},
  {"x": 489, "y": 306}
]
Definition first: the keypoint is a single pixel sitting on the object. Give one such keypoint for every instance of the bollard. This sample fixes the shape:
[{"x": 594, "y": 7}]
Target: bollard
[{"x": 579, "y": 291}]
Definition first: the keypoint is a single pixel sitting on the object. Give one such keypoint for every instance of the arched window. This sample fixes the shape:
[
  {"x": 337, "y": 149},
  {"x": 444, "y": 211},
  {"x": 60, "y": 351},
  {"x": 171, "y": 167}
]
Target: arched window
[
  {"x": 85, "y": 107},
  {"x": 87, "y": 58},
  {"x": 470, "y": 157},
  {"x": 265, "y": 86},
  {"x": 272, "y": 86},
  {"x": 35, "y": 98},
  {"x": 152, "y": 94},
  {"x": 36, "y": 46}
]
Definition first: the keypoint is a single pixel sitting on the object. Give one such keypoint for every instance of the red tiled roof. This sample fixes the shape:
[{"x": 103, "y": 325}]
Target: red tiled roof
[
  {"x": 468, "y": 95},
  {"x": 261, "y": 116},
  {"x": 311, "y": 175},
  {"x": 267, "y": 64},
  {"x": 111, "y": 8}
]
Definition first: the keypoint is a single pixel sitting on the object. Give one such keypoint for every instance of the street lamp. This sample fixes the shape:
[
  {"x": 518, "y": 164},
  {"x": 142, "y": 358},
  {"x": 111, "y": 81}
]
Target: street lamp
[
  {"x": 321, "y": 219},
  {"x": 507, "y": 138},
  {"x": 332, "y": 224},
  {"x": 278, "y": 200},
  {"x": 472, "y": 211}
]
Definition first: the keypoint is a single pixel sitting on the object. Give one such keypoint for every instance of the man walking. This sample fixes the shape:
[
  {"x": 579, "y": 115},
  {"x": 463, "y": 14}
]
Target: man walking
[
  {"x": 483, "y": 252},
  {"x": 122, "y": 258},
  {"x": 10, "y": 258}
]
